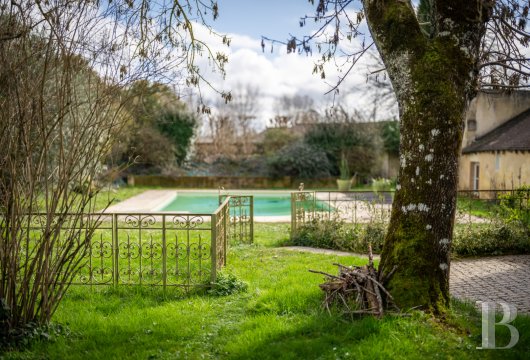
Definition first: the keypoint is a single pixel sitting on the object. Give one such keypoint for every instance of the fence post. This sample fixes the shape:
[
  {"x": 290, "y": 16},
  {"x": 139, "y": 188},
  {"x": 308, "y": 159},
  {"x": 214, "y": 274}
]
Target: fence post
[
  {"x": 213, "y": 248},
  {"x": 293, "y": 214},
  {"x": 164, "y": 253},
  {"x": 226, "y": 219},
  {"x": 252, "y": 219},
  {"x": 329, "y": 205},
  {"x": 314, "y": 206},
  {"x": 115, "y": 247}
]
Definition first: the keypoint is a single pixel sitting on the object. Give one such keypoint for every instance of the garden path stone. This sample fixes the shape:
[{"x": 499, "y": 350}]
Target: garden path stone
[{"x": 496, "y": 278}]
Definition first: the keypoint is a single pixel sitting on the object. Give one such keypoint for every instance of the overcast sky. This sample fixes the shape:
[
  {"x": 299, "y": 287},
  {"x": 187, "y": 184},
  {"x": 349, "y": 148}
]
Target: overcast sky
[{"x": 277, "y": 73}]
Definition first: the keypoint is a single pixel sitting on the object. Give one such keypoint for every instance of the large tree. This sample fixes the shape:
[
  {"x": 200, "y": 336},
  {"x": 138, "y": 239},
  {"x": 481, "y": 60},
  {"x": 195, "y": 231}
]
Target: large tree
[
  {"x": 434, "y": 79},
  {"x": 437, "y": 58}
]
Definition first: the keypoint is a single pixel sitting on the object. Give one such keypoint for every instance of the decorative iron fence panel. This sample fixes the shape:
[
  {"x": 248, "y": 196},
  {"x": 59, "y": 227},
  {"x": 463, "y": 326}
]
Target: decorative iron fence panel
[
  {"x": 303, "y": 208},
  {"x": 60, "y": 228},
  {"x": 162, "y": 249},
  {"x": 220, "y": 221},
  {"x": 241, "y": 218},
  {"x": 474, "y": 208},
  {"x": 157, "y": 249}
]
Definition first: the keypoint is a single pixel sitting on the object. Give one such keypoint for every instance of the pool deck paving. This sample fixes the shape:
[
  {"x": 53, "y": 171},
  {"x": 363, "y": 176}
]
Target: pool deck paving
[
  {"x": 487, "y": 279},
  {"x": 148, "y": 201}
]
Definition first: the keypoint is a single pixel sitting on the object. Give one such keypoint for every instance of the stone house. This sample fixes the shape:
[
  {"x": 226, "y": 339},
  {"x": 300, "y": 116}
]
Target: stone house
[{"x": 496, "y": 143}]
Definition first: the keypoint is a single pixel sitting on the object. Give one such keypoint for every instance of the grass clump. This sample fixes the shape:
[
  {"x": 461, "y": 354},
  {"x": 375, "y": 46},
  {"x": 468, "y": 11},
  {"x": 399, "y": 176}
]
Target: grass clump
[
  {"x": 516, "y": 207},
  {"x": 227, "y": 284},
  {"x": 30, "y": 333},
  {"x": 383, "y": 185}
]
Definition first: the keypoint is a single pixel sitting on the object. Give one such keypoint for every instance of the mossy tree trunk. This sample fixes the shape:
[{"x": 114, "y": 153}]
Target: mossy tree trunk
[{"x": 434, "y": 79}]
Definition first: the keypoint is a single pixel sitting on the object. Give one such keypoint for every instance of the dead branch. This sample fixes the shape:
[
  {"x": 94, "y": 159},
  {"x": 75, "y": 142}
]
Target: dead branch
[{"x": 357, "y": 289}]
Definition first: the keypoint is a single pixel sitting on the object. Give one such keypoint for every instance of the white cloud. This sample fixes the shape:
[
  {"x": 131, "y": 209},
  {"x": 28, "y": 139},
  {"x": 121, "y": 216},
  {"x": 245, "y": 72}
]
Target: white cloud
[{"x": 279, "y": 74}]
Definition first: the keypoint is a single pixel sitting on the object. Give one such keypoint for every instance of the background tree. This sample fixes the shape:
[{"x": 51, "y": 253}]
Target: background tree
[
  {"x": 156, "y": 114},
  {"x": 230, "y": 129},
  {"x": 221, "y": 135},
  {"x": 390, "y": 135},
  {"x": 341, "y": 135},
  {"x": 300, "y": 160},
  {"x": 437, "y": 60},
  {"x": 179, "y": 127},
  {"x": 379, "y": 88},
  {"x": 276, "y": 138},
  {"x": 242, "y": 109},
  {"x": 297, "y": 109}
]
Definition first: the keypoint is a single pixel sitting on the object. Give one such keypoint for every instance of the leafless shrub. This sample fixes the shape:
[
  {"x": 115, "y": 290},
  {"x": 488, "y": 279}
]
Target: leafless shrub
[{"x": 64, "y": 69}]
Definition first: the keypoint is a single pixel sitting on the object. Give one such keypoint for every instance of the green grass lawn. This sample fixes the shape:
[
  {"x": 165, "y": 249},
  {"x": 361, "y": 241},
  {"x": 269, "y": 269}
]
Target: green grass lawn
[
  {"x": 478, "y": 207},
  {"x": 278, "y": 317}
]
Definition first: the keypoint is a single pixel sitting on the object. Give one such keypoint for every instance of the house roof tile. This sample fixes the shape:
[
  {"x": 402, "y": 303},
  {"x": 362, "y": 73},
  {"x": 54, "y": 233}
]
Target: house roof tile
[{"x": 513, "y": 135}]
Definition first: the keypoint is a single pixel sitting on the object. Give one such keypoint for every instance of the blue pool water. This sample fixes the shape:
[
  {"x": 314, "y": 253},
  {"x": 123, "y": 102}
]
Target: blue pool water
[{"x": 205, "y": 203}]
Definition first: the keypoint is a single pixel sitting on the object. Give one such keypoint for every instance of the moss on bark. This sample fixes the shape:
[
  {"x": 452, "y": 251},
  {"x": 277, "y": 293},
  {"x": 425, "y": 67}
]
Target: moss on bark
[{"x": 432, "y": 78}]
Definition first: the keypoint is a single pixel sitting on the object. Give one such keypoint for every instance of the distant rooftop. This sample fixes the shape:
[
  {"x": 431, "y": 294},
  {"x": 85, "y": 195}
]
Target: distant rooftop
[{"x": 513, "y": 135}]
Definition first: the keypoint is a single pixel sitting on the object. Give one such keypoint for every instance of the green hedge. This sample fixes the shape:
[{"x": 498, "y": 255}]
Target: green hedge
[
  {"x": 490, "y": 239},
  {"x": 337, "y": 235},
  {"x": 468, "y": 240}
]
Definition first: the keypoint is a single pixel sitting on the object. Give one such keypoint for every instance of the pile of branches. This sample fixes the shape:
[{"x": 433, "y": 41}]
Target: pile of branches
[{"x": 358, "y": 289}]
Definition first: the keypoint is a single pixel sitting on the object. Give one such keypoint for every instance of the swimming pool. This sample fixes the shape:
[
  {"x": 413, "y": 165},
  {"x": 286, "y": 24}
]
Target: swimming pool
[{"x": 265, "y": 204}]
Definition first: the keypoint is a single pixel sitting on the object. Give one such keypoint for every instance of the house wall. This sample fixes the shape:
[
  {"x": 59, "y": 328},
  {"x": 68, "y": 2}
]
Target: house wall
[
  {"x": 513, "y": 170},
  {"x": 493, "y": 109}
]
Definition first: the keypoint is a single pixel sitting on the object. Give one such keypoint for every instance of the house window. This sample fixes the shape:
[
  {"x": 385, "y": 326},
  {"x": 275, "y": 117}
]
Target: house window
[
  {"x": 475, "y": 175},
  {"x": 472, "y": 125}
]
